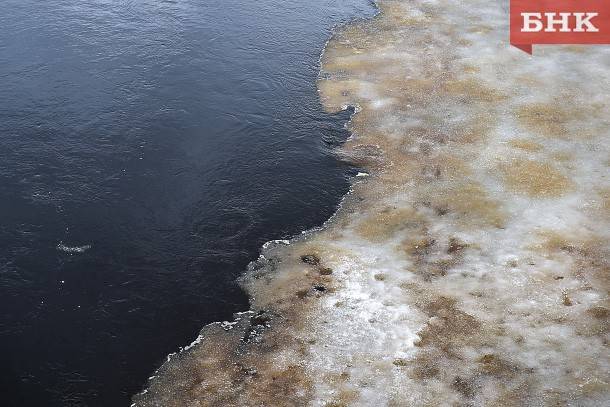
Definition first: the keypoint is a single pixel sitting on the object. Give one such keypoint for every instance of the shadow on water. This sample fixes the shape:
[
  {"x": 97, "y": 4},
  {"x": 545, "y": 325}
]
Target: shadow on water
[{"x": 148, "y": 149}]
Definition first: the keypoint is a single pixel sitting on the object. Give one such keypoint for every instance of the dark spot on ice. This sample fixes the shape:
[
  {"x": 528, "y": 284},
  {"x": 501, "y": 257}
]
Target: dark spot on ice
[
  {"x": 566, "y": 300},
  {"x": 441, "y": 210},
  {"x": 319, "y": 287},
  {"x": 250, "y": 372},
  {"x": 599, "y": 312},
  {"x": 455, "y": 245},
  {"x": 311, "y": 259},
  {"x": 325, "y": 271},
  {"x": 260, "y": 318},
  {"x": 462, "y": 387},
  {"x": 400, "y": 362}
]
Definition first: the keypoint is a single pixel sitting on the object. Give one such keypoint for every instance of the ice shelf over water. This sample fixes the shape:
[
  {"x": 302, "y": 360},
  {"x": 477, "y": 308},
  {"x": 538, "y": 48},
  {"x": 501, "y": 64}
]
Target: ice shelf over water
[{"x": 470, "y": 267}]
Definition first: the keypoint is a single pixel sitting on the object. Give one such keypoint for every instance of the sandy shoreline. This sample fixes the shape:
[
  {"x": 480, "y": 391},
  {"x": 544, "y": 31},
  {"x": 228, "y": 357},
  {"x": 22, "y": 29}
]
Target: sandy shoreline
[{"x": 470, "y": 267}]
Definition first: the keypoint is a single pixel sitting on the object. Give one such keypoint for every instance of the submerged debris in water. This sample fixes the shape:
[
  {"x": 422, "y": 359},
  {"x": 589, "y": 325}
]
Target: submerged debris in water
[{"x": 472, "y": 269}]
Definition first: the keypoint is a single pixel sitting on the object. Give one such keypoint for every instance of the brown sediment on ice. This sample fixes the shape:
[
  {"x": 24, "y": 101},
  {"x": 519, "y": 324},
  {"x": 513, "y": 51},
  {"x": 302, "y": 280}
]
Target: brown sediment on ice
[{"x": 470, "y": 268}]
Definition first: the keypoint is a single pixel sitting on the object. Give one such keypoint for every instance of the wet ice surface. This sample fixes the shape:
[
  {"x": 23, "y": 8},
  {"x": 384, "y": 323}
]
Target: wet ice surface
[{"x": 470, "y": 267}]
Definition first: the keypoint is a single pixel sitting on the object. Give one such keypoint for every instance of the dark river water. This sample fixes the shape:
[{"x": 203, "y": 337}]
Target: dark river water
[{"x": 147, "y": 150}]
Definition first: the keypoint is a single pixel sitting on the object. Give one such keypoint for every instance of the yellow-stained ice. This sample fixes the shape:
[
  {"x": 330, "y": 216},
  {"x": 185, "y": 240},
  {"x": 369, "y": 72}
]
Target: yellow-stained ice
[{"x": 471, "y": 267}]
